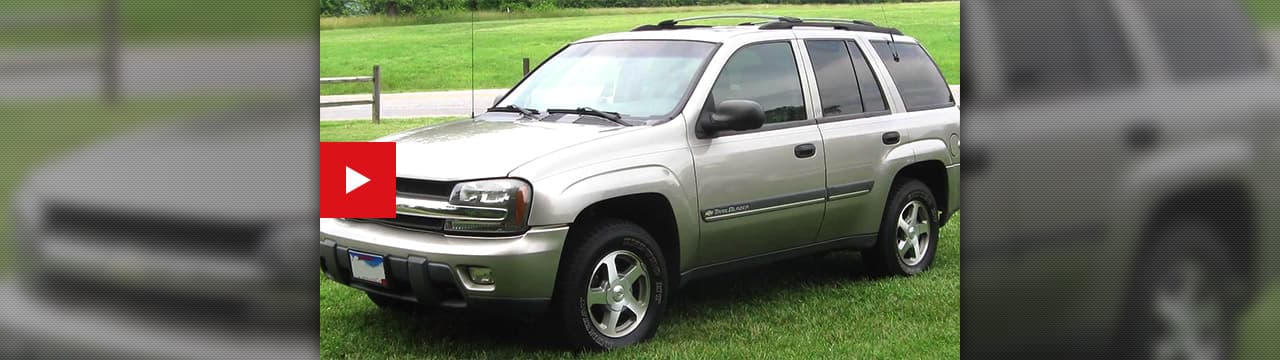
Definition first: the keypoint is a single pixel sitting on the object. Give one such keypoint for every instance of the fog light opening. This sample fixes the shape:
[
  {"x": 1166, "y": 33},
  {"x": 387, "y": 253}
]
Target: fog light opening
[{"x": 480, "y": 275}]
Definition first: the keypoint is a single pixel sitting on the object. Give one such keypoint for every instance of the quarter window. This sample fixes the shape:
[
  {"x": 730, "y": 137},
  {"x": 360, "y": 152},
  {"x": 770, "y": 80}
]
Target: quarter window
[
  {"x": 767, "y": 74},
  {"x": 918, "y": 80}
]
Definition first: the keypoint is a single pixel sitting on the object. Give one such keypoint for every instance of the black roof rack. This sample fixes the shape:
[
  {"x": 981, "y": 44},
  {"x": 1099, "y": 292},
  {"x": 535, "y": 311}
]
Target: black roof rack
[
  {"x": 672, "y": 24},
  {"x": 850, "y": 26},
  {"x": 774, "y": 22}
]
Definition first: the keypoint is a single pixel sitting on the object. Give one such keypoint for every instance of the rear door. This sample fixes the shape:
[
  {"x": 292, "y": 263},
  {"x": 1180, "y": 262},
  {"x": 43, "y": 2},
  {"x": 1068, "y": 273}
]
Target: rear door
[
  {"x": 760, "y": 190},
  {"x": 855, "y": 119}
]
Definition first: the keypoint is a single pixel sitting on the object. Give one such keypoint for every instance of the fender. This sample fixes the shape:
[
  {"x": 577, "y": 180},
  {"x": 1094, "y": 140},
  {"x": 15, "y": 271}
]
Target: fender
[
  {"x": 559, "y": 200},
  {"x": 934, "y": 149},
  {"x": 930, "y": 149},
  {"x": 1155, "y": 178},
  {"x": 896, "y": 159},
  {"x": 900, "y": 157},
  {"x": 1140, "y": 193}
]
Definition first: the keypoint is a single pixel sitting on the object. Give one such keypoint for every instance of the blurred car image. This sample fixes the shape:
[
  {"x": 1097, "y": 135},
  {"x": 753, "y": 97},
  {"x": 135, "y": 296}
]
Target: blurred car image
[{"x": 1120, "y": 158}]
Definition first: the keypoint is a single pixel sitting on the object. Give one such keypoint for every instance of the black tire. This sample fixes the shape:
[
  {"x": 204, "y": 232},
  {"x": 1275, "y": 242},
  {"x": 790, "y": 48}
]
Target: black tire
[
  {"x": 883, "y": 258},
  {"x": 587, "y": 249},
  {"x": 390, "y": 304},
  {"x": 1188, "y": 266}
]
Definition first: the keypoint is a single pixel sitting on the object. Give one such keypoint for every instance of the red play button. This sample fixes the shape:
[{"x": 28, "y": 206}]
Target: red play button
[{"x": 357, "y": 180}]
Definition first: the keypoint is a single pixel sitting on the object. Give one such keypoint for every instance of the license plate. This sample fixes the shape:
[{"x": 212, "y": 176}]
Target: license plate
[{"x": 368, "y": 267}]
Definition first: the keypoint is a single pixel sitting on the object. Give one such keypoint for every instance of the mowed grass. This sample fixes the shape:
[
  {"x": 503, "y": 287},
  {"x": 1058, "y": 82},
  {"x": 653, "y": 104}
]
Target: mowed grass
[
  {"x": 438, "y": 56},
  {"x": 365, "y": 130},
  {"x": 1264, "y": 12},
  {"x": 814, "y": 307}
]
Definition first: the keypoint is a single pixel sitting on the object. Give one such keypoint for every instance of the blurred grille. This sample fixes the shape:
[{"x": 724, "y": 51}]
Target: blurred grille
[
  {"x": 151, "y": 231},
  {"x": 158, "y": 267}
]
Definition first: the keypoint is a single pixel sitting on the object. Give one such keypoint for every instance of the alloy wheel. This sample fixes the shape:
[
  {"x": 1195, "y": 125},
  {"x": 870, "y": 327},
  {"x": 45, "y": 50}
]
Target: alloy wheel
[
  {"x": 618, "y": 293},
  {"x": 1189, "y": 314},
  {"x": 913, "y": 232}
]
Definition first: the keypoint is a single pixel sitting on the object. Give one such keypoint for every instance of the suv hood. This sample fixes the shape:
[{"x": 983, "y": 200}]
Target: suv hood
[{"x": 476, "y": 149}]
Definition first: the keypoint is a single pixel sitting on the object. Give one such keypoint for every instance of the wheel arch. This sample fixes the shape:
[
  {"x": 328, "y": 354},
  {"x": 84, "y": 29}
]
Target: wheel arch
[
  {"x": 933, "y": 173},
  {"x": 649, "y": 195},
  {"x": 1225, "y": 204},
  {"x": 651, "y": 211}
]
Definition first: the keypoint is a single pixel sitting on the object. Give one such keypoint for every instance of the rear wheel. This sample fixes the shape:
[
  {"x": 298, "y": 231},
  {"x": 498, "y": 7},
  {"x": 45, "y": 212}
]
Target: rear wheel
[
  {"x": 613, "y": 287},
  {"x": 908, "y": 231},
  {"x": 1186, "y": 295}
]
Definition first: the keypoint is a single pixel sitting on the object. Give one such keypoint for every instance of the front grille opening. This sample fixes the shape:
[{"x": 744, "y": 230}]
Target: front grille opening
[{"x": 424, "y": 188}]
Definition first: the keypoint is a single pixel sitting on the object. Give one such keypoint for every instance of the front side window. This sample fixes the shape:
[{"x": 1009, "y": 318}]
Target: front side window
[
  {"x": 637, "y": 79},
  {"x": 767, "y": 74},
  {"x": 918, "y": 80}
]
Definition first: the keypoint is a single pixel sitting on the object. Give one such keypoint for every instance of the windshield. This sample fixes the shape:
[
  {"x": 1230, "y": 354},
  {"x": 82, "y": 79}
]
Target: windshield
[{"x": 636, "y": 79}]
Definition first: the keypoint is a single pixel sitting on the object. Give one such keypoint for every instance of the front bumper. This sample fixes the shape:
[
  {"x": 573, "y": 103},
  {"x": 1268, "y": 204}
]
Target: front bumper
[{"x": 430, "y": 268}]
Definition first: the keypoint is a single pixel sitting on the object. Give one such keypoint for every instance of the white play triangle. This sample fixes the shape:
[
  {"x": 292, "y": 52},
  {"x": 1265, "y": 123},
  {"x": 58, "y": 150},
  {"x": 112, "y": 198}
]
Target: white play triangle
[{"x": 355, "y": 180}]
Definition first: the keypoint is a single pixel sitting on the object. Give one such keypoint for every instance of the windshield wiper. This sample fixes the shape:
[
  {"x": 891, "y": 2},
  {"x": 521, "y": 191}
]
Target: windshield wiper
[
  {"x": 607, "y": 115},
  {"x": 529, "y": 113}
]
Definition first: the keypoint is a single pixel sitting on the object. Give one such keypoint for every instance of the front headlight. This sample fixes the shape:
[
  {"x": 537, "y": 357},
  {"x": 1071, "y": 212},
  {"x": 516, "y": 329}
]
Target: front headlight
[{"x": 511, "y": 195}]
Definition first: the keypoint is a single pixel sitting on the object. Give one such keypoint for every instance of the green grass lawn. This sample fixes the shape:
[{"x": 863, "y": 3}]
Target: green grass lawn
[
  {"x": 437, "y": 56},
  {"x": 156, "y": 21},
  {"x": 813, "y": 307},
  {"x": 1265, "y": 12},
  {"x": 365, "y": 130},
  {"x": 821, "y": 306}
]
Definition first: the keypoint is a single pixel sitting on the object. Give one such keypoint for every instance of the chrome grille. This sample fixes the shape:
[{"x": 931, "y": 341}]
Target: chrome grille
[{"x": 417, "y": 188}]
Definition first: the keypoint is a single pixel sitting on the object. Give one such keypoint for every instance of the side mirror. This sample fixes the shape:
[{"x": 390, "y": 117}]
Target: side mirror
[
  {"x": 496, "y": 99},
  {"x": 736, "y": 115}
]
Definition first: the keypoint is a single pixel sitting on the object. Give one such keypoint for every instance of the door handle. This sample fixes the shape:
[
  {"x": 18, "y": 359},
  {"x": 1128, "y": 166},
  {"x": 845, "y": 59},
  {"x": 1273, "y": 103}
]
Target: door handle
[
  {"x": 806, "y": 150},
  {"x": 891, "y": 137}
]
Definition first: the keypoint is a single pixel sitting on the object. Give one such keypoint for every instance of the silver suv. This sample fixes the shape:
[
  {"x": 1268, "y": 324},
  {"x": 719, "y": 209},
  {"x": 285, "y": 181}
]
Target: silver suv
[{"x": 629, "y": 163}]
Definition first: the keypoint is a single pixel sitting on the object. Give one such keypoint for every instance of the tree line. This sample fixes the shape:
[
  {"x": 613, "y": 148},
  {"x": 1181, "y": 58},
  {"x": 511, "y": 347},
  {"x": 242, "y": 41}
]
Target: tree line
[{"x": 427, "y": 7}]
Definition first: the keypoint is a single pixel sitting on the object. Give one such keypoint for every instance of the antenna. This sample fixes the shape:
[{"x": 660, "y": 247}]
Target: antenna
[
  {"x": 893, "y": 41},
  {"x": 474, "y": 5}
]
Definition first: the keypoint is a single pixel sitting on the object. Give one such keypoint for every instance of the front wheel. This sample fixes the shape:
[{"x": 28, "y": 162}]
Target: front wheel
[
  {"x": 908, "y": 231},
  {"x": 613, "y": 287}
]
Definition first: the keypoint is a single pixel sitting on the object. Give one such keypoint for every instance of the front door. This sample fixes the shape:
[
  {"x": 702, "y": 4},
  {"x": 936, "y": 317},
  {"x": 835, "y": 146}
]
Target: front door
[{"x": 760, "y": 190}]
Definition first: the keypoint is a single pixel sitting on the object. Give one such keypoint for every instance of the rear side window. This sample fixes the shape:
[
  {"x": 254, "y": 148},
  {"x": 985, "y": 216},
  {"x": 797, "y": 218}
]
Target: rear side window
[
  {"x": 1076, "y": 46},
  {"x": 872, "y": 96},
  {"x": 767, "y": 74},
  {"x": 917, "y": 78},
  {"x": 837, "y": 84},
  {"x": 1221, "y": 35}
]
